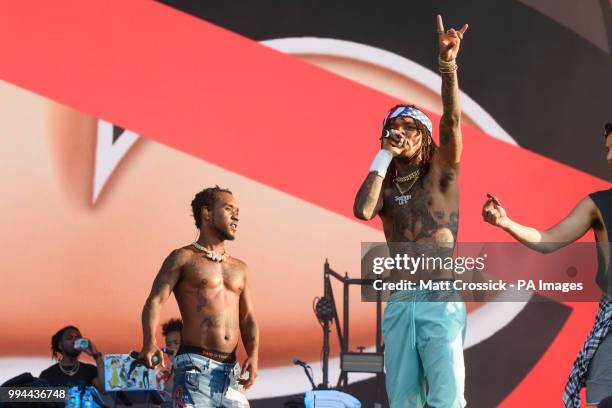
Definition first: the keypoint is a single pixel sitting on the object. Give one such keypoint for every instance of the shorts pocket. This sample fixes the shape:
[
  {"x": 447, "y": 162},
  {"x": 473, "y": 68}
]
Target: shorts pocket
[{"x": 192, "y": 380}]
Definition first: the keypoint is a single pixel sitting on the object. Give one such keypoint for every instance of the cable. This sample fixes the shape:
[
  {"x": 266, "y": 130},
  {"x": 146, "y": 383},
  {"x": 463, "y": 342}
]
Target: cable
[{"x": 314, "y": 309}]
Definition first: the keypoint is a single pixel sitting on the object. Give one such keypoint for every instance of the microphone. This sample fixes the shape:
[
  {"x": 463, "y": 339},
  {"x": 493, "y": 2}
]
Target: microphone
[
  {"x": 387, "y": 133},
  {"x": 299, "y": 362},
  {"x": 155, "y": 359},
  {"x": 306, "y": 367}
]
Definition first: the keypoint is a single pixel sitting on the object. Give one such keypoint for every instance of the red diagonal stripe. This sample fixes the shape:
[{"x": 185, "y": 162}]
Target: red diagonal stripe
[{"x": 199, "y": 88}]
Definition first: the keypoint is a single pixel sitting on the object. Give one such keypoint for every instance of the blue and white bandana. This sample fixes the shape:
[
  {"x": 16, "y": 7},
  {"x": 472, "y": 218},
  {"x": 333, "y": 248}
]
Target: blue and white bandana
[{"x": 410, "y": 112}]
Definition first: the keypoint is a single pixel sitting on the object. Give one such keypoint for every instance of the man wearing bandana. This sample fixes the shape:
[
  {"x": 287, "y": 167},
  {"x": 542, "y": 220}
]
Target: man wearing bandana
[{"x": 413, "y": 186}]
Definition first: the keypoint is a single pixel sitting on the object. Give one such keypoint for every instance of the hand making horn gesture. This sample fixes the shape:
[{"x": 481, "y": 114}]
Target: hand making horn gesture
[{"x": 449, "y": 41}]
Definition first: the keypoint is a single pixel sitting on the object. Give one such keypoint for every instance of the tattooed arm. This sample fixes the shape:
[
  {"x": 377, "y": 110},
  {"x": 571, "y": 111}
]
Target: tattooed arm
[
  {"x": 450, "y": 123},
  {"x": 249, "y": 333},
  {"x": 163, "y": 285},
  {"x": 368, "y": 201}
]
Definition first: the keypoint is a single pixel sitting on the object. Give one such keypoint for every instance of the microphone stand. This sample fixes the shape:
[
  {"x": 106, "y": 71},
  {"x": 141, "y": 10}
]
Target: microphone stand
[{"x": 314, "y": 387}]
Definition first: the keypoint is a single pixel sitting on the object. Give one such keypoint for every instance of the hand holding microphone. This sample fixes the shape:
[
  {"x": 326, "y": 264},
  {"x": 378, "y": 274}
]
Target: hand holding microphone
[
  {"x": 151, "y": 356},
  {"x": 392, "y": 145},
  {"x": 393, "y": 141}
]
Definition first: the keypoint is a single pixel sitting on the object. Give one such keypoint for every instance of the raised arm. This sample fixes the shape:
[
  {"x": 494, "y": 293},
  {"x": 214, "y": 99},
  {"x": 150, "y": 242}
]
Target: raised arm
[
  {"x": 568, "y": 230},
  {"x": 450, "y": 123},
  {"x": 164, "y": 283},
  {"x": 249, "y": 333},
  {"x": 92, "y": 351}
]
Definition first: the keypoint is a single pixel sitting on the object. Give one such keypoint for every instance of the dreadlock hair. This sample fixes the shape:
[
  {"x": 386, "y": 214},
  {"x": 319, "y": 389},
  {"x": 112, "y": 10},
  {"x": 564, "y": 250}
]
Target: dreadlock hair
[
  {"x": 607, "y": 129},
  {"x": 172, "y": 325},
  {"x": 428, "y": 147},
  {"x": 205, "y": 198},
  {"x": 56, "y": 339}
]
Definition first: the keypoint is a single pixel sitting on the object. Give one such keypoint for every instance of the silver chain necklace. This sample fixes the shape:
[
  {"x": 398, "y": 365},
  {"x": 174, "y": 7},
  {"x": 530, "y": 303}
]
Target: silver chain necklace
[
  {"x": 70, "y": 372},
  {"x": 212, "y": 255}
]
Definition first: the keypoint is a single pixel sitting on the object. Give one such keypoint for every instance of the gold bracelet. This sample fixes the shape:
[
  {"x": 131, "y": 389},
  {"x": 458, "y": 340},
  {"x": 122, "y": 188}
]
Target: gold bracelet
[
  {"x": 446, "y": 64},
  {"x": 448, "y": 70}
]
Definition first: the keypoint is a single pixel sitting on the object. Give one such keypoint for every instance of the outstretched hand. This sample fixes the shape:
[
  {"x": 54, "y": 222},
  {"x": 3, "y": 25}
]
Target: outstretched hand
[
  {"x": 449, "y": 41},
  {"x": 494, "y": 213}
]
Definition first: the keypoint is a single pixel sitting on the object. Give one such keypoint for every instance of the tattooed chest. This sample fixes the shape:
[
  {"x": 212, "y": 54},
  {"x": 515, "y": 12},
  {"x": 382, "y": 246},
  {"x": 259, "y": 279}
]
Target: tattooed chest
[
  {"x": 213, "y": 290},
  {"x": 419, "y": 215},
  {"x": 212, "y": 278}
]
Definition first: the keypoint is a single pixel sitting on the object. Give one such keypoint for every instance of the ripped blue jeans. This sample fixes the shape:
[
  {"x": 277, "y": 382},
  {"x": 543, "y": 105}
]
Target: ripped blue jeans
[{"x": 202, "y": 382}]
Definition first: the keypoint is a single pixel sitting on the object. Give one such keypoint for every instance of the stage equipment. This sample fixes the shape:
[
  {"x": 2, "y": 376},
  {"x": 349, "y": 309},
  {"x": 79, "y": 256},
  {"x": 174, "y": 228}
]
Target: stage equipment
[{"x": 350, "y": 361}]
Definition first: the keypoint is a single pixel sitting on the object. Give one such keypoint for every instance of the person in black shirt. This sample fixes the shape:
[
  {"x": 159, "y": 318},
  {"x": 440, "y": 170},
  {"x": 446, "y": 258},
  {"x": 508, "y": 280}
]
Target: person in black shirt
[
  {"x": 69, "y": 371},
  {"x": 593, "y": 366}
]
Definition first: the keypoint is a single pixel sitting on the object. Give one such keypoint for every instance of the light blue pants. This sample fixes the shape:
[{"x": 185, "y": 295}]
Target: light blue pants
[
  {"x": 203, "y": 382},
  {"x": 424, "y": 333}
]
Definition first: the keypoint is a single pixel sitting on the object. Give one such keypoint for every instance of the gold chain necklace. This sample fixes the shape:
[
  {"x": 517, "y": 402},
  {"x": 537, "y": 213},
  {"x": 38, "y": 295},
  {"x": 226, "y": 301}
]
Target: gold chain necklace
[
  {"x": 412, "y": 176},
  {"x": 409, "y": 177},
  {"x": 70, "y": 372},
  {"x": 212, "y": 255}
]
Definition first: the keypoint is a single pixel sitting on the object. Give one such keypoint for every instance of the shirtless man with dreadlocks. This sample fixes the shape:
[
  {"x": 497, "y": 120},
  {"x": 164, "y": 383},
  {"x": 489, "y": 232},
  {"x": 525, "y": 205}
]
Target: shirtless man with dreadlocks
[{"x": 412, "y": 185}]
